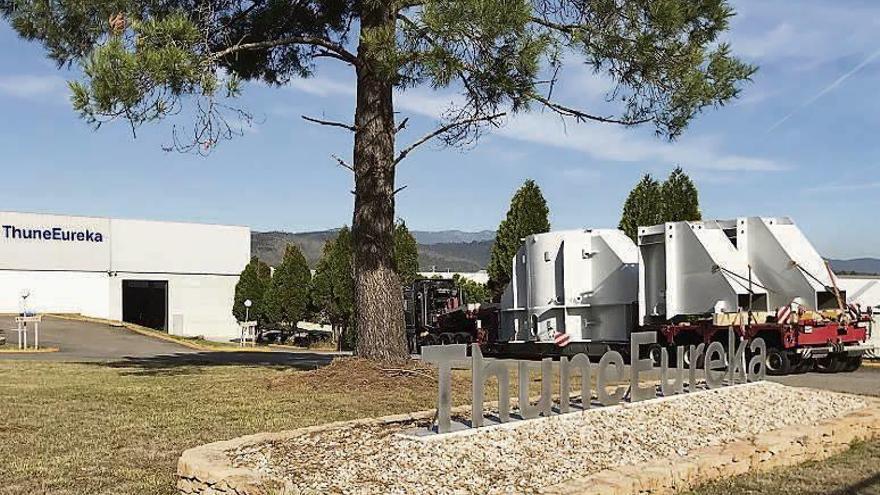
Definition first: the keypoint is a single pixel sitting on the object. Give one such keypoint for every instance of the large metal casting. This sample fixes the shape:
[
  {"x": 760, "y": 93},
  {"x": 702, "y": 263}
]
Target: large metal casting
[{"x": 582, "y": 283}]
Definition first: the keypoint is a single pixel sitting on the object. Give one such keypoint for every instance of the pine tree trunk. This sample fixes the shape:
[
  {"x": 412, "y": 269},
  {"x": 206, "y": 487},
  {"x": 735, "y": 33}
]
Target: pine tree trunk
[{"x": 378, "y": 297}]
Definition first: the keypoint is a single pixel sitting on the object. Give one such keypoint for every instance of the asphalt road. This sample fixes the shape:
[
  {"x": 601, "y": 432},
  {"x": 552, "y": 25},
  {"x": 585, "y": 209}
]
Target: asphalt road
[
  {"x": 864, "y": 381},
  {"x": 80, "y": 341}
]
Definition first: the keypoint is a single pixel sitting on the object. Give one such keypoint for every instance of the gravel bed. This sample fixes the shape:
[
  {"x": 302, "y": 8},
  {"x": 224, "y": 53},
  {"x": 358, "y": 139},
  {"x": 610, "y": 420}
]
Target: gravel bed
[{"x": 537, "y": 453}]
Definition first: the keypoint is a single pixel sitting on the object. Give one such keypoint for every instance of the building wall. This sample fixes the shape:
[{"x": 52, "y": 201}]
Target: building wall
[
  {"x": 56, "y": 292},
  {"x": 201, "y": 264},
  {"x": 198, "y": 306}
]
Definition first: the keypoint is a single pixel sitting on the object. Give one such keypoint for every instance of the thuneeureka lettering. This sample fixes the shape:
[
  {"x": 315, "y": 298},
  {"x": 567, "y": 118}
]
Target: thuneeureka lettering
[
  {"x": 52, "y": 234},
  {"x": 720, "y": 367}
]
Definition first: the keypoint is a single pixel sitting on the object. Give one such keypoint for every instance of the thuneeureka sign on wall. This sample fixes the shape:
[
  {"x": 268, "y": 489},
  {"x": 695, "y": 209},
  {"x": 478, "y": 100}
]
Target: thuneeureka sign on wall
[
  {"x": 51, "y": 234},
  {"x": 721, "y": 367}
]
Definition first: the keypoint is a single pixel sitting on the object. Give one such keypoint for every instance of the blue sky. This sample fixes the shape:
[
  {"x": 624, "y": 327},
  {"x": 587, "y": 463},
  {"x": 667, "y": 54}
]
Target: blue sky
[{"x": 802, "y": 141}]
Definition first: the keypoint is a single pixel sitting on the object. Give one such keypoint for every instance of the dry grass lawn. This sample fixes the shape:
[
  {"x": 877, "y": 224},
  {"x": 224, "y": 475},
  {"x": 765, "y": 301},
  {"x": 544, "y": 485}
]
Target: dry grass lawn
[
  {"x": 854, "y": 472},
  {"x": 99, "y": 429}
]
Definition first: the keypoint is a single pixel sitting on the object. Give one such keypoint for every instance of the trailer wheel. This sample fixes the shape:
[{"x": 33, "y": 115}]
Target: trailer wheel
[
  {"x": 830, "y": 364},
  {"x": 462, "y": 338},
  {"x": 686, "y": 357},
  {"x": 654, "y": 352},
  {"x": 852, "y": 363},
  {"x": 804, "y": 365},
  {"x": 427, "y": 340},
  {"x": 447, "y": 338},
  {"x": 777, "y": 362}
]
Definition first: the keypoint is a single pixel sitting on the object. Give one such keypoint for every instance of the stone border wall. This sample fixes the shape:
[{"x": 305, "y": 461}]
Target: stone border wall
[
  {"x": 207, "y": 469},
  {"x": 783, "y": 447}
]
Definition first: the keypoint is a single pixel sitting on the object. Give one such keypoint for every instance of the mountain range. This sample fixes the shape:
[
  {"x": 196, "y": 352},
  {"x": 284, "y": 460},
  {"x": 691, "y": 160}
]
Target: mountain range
[{"x": 448, "y": 250}]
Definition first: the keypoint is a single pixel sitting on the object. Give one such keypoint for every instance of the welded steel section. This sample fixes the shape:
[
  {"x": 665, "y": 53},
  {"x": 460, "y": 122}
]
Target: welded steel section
[
  {"x": 694, "y": 268},
  {"x": 782, "y": 256},
  {"x": 580, "y": 282}
]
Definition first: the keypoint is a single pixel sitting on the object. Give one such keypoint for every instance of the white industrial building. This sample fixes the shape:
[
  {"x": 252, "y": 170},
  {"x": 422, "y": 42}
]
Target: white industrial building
[{"x": 177, "y": 277}]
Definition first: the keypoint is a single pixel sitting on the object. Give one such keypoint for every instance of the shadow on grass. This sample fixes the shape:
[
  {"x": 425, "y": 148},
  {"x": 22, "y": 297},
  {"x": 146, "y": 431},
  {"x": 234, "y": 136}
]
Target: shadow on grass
[
  {"x": 175, "y": 364},
  {"x": 872, "y": 482}
]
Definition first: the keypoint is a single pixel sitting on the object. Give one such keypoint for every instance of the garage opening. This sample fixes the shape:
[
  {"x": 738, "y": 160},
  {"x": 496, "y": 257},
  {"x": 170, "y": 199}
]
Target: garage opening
[{"x": 145, "y": 303}]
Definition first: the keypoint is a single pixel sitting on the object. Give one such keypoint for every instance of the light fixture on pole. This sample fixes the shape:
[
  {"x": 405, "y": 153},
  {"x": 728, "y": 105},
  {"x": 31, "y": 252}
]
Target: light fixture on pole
[{"x": 247, "y": 309}]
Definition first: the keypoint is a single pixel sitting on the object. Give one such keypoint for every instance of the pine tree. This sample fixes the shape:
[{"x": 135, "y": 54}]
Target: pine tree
[
  {"x": 643, "y": 207},
  {"x": 528, "y": 214},
  {"x": 252, "y": 285},
  {"x": 332, "y": 291},
  {"x": 406, "y": 254},
  {"x": 680, "y": 198},
  {"x": 288, "y": 293},
  {"x": 143, "y": 61}
]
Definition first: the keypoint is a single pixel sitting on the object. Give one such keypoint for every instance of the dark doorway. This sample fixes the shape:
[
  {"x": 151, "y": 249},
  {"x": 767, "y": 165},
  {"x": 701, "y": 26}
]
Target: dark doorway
[{"x": 145, "y": 303}]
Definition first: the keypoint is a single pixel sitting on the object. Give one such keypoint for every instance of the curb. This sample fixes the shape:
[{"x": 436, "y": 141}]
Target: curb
[
  {"x": 17, "y": 352},
  {"x": 207, "y": 469}
]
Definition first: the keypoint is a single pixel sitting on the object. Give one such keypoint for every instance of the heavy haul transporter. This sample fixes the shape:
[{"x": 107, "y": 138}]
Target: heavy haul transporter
[{"x": 690, "y": 282}]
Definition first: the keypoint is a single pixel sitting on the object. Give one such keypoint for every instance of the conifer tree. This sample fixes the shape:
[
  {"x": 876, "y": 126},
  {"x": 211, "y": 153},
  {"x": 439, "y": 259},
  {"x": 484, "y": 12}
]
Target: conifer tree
[
  {"x": 680, "y": 198},
  {"x": 288, "y": 293},
  {"x": 643, "y": 207},
  {"x": 528, "y": 214},
  {"x": 332, "y": 291},
  {"x": 252, "y": 285},
  {"x": 406, "y": 254}
]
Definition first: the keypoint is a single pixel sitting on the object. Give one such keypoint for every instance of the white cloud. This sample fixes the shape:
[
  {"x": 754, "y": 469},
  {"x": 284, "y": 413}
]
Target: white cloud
[
  {"x": 804, "y": 33},
  {"x": 604, "y": 142},
  {"x": 852, "y": 186},
  {"x": 322, "y": 86},
  {"x": 33, "y": 87}
]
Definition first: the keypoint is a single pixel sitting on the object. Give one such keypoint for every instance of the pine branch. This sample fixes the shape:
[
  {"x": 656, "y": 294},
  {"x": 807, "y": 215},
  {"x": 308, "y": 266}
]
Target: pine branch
[
  {"x": 563, "y": 28},
  {"x": 441, "y": 130},
  {"x": 330, "y": 123},
  {"x": 328, "y": 45},
  {"x": 342, "y": 163},
  {"x": 580, "y": 115}
]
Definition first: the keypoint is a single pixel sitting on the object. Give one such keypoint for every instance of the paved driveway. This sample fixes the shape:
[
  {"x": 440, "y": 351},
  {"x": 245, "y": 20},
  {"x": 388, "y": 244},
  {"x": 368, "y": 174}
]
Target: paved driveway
[
  {"x": 80, "y": 341},
  {"x": 865, "y": 381}
]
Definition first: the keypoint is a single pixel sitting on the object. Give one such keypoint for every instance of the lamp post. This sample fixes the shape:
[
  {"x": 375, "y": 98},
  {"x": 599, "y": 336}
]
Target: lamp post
[{"x": 247, "y": 309}]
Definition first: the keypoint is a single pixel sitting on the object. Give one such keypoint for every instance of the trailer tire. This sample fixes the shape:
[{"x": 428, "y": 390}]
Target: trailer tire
[
  {"x": 462, "y": 338},
  {"x": 830, "y": 364},
  {"x": 805, "y": 365},
  {"x": 653, "y": 353},
  {"x": 778, "y": 363},
  {"x": 852, "y": 363},
  {"x": 427, "y": 340},
  {"x": 447, "y": 338},
  {"x": 686, "y": 357}
]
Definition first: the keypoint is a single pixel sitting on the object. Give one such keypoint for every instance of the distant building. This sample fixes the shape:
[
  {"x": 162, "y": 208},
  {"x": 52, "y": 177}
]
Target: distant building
[
  {"x": 176, "y": 277},
  {"x": 864, "y": 290},
  {"x": 481, "y": 276}
]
